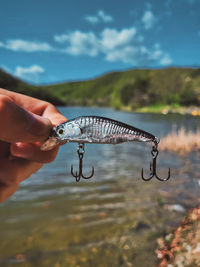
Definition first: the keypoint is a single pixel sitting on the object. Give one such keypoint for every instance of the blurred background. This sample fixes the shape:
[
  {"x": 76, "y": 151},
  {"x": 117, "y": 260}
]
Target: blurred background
[{"x": 134, "y": 61}]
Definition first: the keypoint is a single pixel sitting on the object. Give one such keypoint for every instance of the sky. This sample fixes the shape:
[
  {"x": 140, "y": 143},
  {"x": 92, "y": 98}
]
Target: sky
[{"x": 49, "y": 41}]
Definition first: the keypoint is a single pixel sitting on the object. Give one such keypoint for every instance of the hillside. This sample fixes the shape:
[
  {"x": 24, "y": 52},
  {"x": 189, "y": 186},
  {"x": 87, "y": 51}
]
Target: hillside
[
  {"x": 11, "y": 83},
  {"x": 130, "y": 89}
]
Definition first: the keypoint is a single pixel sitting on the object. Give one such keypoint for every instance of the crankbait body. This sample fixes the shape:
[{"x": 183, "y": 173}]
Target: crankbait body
[
  {"x": 100, "y": 130},
  {"x": 94, "y": 129}
]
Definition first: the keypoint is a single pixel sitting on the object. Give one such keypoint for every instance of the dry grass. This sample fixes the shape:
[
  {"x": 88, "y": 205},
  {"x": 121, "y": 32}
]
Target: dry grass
[{"x": 181, "y": 141}]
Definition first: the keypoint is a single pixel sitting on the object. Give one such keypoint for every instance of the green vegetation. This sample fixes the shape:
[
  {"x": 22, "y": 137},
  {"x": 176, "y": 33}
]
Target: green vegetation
[
  {"x": 130, "y": 90},
  {"x": 13, "y": 84}
]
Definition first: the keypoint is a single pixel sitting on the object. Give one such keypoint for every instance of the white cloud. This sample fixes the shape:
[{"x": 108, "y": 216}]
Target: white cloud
[
  {"x": 62, "y": 38},
  {"x": 31, "y": 73},
  {"x": 110, "y": 43},
  {"x": 119, "y": 45},
  {"x": 80, "y": 43},
  {"x": 92, "y": 19},
  {"x": 111, "y": 38},
  {"x": 127, "y": 54},
  {"x": 124, "y": 45},
  {"x": 26, "y": 46},
  {"x": 104, "y": 17},
  {"x": 101, "y": 16},
  {"x": 148, "y": 19},
  {"x": 165, "y": 60}
]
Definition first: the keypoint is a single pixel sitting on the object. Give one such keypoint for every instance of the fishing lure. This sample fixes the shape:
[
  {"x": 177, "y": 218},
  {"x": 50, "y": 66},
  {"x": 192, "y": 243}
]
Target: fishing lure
[{"x": 100, "y": 130}]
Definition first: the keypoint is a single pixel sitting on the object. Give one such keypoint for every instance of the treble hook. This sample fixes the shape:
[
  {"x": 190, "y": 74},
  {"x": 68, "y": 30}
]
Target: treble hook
[
  {"x": 154, "y": 153},
  {"x": 79, "y": 175}
]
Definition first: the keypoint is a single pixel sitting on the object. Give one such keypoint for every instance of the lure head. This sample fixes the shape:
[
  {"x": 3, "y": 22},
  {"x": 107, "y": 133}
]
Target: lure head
[
  {"x": 65, "y": 132},
  {"x": 68, "y": 131},
  {"x": 59, "y": 132},
  {"x": 52, "y": 141},
  {"x": 55, "y": 138}
]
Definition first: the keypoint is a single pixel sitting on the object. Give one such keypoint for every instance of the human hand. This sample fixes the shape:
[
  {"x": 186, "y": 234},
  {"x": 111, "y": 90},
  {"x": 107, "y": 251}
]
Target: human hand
[{"x": 25, "y": 123}]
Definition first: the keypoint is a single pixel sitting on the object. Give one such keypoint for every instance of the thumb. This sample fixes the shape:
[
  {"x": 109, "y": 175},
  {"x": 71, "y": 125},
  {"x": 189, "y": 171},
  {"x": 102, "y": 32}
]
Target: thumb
[{"x": 19, "y": 125}]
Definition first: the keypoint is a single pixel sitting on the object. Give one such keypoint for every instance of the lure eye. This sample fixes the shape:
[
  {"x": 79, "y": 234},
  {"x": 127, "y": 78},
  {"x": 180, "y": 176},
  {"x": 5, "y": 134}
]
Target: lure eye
[{"x": 61, "y": 131}]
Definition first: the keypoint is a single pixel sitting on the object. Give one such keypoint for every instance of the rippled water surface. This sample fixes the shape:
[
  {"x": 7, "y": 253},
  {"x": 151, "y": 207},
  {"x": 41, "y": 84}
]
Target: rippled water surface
[{"x": 113, "y": 219}]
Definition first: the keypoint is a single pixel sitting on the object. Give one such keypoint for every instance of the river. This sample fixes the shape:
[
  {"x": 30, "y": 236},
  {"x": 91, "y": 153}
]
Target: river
[{"x": 115, "y": 218}]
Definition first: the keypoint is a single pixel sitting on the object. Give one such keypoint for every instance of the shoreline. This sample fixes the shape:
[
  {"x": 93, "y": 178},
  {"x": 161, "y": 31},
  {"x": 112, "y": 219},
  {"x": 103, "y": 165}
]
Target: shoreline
[
  {"x": 157, "y": 109},
  {"x": 182, "y": 247},
  {"x": 167, "y": 109}
]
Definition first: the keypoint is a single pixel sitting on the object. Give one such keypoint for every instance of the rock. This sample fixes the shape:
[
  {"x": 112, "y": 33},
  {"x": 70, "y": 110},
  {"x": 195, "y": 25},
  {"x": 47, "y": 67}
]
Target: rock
[{"x": 175, "y": 207}]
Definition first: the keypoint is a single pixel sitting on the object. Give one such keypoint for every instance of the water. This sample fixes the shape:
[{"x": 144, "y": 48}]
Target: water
[{"x": 113, "y": 219}]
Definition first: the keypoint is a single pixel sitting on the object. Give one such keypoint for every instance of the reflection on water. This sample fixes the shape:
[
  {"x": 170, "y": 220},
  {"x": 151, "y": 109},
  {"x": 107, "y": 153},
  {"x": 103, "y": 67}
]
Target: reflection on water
[{"x": 113, "y": 219}]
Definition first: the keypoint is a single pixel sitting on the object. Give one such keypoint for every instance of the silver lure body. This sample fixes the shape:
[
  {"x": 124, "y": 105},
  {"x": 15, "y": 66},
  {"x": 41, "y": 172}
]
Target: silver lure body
[{"x": 97, "y": 130}]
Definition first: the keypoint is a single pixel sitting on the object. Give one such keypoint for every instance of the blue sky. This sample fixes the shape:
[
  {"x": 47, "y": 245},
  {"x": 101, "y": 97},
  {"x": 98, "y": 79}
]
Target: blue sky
[{"x": 48, "y": 41}]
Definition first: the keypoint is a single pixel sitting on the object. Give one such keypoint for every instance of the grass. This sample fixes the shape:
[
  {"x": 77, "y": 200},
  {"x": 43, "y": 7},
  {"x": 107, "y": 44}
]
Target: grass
[
  {"x": 159, "y": 108},
  {"x": 181, "y": 141}
]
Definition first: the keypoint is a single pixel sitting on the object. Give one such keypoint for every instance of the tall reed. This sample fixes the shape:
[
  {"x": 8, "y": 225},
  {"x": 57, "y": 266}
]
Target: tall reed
[{"x": 181, "y": 141}]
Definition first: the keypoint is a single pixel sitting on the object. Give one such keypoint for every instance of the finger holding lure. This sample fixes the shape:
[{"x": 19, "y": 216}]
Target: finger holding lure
[{"x": 100, "y": 130}]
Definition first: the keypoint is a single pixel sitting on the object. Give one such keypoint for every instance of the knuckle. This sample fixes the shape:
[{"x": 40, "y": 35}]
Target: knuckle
[{"x": 4, "y": 102}]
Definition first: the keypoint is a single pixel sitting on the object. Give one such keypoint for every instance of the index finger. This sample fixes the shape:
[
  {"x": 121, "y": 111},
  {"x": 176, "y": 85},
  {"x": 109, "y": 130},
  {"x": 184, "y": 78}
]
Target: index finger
[
  {"x": 53, "y": 115},
  {"x": 36, "y": 106},
  {"x": 17, "y": 124}
]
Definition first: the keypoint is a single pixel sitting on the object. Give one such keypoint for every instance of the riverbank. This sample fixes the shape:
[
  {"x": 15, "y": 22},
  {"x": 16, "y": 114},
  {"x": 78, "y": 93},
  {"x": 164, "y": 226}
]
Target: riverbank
[
  {"x": 181, "y": 248},
  {"x": 162, "y": 109},
  {"x": 167, "y": 109}
]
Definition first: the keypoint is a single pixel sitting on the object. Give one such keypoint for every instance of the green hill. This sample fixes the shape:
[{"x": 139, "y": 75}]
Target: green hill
[
  {"x": 130, "y": 89},
  {"x": 11, "y": 83}
]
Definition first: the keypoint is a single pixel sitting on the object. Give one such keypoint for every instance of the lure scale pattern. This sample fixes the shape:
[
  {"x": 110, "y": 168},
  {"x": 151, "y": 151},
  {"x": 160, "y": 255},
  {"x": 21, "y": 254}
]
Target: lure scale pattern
[{"x": 96, "y": 129}]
